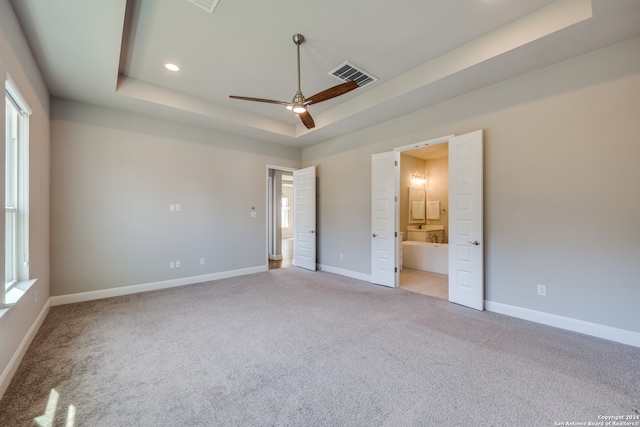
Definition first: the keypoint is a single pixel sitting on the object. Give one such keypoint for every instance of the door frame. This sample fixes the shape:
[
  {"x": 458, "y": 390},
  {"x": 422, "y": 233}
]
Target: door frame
[{"x": 270, "y": 206}]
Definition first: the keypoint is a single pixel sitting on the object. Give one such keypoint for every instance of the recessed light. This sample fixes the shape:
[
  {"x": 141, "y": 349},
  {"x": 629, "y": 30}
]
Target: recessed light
[{"x": 171, "y": 67}]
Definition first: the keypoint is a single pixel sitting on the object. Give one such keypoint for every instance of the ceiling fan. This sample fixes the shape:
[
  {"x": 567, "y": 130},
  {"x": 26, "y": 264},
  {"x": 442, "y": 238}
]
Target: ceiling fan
[{"x": 299, "y": 103}]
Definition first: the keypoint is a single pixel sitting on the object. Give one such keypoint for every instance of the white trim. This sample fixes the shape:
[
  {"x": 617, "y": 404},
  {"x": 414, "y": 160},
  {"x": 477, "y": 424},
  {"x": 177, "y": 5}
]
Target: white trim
[
  {"x": 347, "y": 273},
  {"x": 12, "y": 89},
  {"x": 12, "y": 366},
  {"x": 594, "y": 329},
  {"x": 146, "y": 287}
]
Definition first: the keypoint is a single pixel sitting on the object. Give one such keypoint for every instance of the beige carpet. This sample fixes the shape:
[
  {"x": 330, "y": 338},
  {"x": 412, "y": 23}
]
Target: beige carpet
[{"x": 291, "y": 347}]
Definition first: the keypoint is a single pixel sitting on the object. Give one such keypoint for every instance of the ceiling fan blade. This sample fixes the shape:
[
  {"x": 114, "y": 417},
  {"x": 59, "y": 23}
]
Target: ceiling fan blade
[
  {"x": 269, "y": 101},
  {"x": 307, "y": 120},
  {"x": 332, "y": 92}
]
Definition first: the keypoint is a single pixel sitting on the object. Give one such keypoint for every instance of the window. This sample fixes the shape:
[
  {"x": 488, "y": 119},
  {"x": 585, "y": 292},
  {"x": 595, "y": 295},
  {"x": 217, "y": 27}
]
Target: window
[
  {"x": 16, "y": 195},
  {"x": 285, "y": 212}
]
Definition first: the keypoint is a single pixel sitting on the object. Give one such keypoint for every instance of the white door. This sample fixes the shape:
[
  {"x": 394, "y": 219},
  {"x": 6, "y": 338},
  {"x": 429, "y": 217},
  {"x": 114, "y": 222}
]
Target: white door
[
  {"x": 304, "y": 218},
  {"x": 466, "y": 259},
  {"x": 384, "y": 172}
]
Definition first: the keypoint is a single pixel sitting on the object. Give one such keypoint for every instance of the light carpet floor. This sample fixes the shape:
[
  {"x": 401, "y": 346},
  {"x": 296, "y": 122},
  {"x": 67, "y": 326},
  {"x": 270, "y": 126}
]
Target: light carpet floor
[{"x": 295, "y": 348}]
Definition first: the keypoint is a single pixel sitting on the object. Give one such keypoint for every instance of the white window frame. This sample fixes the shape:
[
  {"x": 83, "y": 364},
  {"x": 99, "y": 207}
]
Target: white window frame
[
  {"x": 17, "y": 114},
  {"x": 285, "y": 212}
]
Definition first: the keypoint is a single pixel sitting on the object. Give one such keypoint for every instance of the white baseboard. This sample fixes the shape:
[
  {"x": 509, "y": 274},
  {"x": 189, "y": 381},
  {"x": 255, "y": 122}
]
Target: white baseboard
[
  {"x": 134, "y": 289},
  {"x": 594, "y": 329},
  {"x": 12, "y": 366},
  {"x": 347, "y": 273}
]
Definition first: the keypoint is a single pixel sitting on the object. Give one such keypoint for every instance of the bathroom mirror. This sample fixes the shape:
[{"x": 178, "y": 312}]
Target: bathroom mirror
[{"x": 417, "y": 202}]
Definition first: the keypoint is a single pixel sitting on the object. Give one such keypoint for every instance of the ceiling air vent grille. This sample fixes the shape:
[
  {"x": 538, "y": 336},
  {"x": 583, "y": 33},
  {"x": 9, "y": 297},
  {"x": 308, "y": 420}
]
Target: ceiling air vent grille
[
  {"x": 347, "y": 72},
  {"x": 207, "y": 5}
]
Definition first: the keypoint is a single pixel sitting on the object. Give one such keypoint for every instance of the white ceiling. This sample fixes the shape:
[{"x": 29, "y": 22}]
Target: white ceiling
[{"x": 112, "y": 53}]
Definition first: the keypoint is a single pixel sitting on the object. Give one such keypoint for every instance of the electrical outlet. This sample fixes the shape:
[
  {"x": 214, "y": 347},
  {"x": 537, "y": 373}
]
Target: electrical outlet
[
  {"x": 542, "y": 290},
  {"x": 172, "y": 264},
  {"x": 201, "y": 261},
  {"x": 341, "y": 257},
  {"x": 177, "y": 264},
  {"x": 178, "y": 207}
]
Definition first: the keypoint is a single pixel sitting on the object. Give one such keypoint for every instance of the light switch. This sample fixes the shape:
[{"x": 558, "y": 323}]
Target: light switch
[{"x": 253, "y": 214}]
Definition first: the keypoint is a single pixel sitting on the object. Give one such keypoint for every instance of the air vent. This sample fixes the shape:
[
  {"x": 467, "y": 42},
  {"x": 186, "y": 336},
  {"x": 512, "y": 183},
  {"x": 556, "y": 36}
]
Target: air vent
[
  {"x": 347, "y": 72},
  {"x": 207, "y": 5}
]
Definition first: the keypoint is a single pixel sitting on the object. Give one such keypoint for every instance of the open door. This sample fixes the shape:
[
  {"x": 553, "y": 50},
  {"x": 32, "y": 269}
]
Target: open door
[
  {"x": 466, "y": 253},
  {"x": 384, "y": 205},
  {"x": 304, "y": 218}
]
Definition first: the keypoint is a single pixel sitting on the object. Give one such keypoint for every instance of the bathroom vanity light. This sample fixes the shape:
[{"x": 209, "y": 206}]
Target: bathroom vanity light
[{"x": 418, "y": 180}]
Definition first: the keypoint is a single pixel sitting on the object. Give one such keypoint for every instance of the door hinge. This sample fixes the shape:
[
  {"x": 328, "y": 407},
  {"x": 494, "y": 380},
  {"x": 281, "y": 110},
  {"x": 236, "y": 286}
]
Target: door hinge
[
  {"x": 395, "y": 270},
  {"x": 395, "y": 198},
  {"x": 396, "y": 162},
  {"x": 395, "y": 234}
]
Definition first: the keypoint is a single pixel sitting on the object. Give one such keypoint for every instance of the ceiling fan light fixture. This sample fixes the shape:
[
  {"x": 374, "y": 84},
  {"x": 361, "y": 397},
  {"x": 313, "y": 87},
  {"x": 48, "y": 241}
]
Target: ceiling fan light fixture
[{"x": 298, "y": 103}]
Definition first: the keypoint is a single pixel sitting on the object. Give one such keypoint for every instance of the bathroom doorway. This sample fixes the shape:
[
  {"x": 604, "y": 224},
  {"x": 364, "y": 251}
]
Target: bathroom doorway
[
  {"x": 464, "y": 234},
  {"x": 423, "y": 218},
  {"x": 280, "y": 217}
]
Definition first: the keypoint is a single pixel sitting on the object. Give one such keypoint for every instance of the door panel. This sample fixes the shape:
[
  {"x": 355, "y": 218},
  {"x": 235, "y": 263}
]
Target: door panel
[
  {"x": 304, "y": 218},
  {"x": 384, "y": 173},
  {"x": 466, "y": 253}
]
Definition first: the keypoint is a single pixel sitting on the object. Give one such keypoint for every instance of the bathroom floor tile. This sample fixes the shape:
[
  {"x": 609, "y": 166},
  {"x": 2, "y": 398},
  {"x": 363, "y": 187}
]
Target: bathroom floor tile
[{"x": 425, "y": 282}]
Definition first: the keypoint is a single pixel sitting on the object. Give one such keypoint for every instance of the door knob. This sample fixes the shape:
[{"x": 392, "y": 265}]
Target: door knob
[
  {"x": 312, "y": 231},
  {"x": 475, "y": 242},
  {"x": 374, "y": 235}
]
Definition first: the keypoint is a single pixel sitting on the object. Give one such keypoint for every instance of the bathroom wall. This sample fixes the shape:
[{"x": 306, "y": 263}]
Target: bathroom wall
[
  {"x": 408, "y": 166},
  {"x": 436, "y": 171},
  {"x": 437, "y": 174}
]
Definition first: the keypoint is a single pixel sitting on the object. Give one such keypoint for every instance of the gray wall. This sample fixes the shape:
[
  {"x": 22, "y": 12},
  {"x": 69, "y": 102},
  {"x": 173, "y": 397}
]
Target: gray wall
[
  {"x": 114, "y": 176},
  {"x": 16, "y": 59},
  {"x": 561, "y": 173}
]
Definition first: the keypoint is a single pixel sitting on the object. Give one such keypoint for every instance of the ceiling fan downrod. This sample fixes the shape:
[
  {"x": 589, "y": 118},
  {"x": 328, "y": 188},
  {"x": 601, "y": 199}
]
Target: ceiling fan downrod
[{"x": 297, "y": 102}]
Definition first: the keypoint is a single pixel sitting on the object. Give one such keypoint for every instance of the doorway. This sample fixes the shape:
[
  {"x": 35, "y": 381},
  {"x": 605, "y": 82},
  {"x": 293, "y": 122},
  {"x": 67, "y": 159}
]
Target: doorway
[
  {"x": 280, "y": 217},
  {"x": 423, "y": 217}
]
